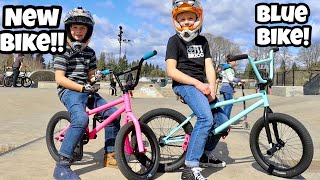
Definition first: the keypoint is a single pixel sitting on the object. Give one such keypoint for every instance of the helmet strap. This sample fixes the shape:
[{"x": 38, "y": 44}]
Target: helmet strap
[{"x": 76, "y": 45}]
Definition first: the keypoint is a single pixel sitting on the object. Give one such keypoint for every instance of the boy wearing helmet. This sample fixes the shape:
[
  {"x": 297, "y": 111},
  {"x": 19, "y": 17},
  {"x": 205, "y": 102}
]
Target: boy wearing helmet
[
  {"x": 73, "y": 71},
  {"x": 189, "y": 64}
]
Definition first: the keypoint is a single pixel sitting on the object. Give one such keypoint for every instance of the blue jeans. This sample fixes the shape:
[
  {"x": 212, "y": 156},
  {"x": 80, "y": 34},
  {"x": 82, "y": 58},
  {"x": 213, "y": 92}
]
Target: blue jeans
[
  {"x": 207, "y": 120},
  {"x": 227, "y": 109},
  {"x": 76, "y": 102}
]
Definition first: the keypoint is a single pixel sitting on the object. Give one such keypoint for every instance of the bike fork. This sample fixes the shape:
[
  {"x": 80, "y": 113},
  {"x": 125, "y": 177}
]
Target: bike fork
[
  {"x": 274, "y": 147},
  {"x": 266, "y": 112}
]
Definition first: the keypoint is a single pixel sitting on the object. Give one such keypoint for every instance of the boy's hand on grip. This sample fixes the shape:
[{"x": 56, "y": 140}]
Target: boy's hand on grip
[{"x": 88, "y": 88}]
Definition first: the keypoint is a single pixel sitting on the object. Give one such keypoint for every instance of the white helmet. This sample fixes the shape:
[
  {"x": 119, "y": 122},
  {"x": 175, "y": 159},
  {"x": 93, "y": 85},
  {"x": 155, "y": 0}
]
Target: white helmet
[{"x": 179, "y": 6}]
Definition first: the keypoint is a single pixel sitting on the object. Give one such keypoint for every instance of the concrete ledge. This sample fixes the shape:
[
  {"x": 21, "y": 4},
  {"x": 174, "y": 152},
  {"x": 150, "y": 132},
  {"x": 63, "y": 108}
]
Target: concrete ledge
[
  {"x": 287, "y": 91},
  {"x": 47, "y": 84}
]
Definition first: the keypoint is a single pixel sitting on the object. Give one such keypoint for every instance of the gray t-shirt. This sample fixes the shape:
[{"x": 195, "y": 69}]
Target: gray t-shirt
[{"x": 17, "y": 62}]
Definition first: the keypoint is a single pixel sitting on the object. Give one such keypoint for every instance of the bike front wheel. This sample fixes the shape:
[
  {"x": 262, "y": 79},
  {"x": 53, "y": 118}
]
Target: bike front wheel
[
  {"x": 162, "y": 121},
  {"x": 287, "y": 156},
  {"x": 19, "y": 82},
  {"x": 27, "y": 82},
  {"x": 135, "y": 165},
  {"x": 56, "y": 125}
]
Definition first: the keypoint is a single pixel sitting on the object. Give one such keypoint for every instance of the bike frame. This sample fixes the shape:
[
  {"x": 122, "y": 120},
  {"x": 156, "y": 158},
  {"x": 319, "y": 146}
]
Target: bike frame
[
  {"x": 125, "y": 100},
  {"x": 262, "y": 95}
]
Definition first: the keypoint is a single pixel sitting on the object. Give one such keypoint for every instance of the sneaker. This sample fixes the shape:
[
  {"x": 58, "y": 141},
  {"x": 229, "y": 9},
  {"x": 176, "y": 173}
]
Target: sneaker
[
  {"x": 192, "y": 173},
  {"x": 110, "y": 160},
  {"x": 63, "y": 170},
  {"x": 211, "y": 162}
]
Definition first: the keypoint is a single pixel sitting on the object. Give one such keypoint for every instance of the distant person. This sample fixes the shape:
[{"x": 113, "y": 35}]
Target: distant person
[
  {"x": 16, "y": 68},
  {"x": 228, "y": 82},
  {"x": 113, "y": 85},
  {"x": 129, "y": 83}
]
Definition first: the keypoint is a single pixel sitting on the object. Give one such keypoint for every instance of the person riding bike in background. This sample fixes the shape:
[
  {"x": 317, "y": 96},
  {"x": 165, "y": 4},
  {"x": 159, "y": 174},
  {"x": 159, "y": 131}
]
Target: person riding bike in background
[
  {"x": 73, "y": 71},
  {"x": 189, "y": 64},
  {"x": 16, "y": 68},
  {"x": 228, "y": 82}
]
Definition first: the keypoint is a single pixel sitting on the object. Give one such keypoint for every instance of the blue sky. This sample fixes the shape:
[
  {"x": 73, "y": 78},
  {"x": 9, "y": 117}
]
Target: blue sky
[{"x": 148, "y": 24}]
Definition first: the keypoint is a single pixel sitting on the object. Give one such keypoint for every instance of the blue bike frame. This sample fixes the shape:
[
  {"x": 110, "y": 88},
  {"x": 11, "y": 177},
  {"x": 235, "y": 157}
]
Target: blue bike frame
[{"x": 262, "y": 95}]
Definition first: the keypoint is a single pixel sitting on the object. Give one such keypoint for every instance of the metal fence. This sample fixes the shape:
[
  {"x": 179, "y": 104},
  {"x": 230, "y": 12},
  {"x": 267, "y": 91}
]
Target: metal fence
[{"x": 294, "y": 77}]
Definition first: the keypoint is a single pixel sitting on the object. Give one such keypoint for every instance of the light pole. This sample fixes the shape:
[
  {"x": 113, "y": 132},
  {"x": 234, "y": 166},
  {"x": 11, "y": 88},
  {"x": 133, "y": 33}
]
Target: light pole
[
  {"x": 120, "y": 40},
  {"x": 125, "y": 47}
]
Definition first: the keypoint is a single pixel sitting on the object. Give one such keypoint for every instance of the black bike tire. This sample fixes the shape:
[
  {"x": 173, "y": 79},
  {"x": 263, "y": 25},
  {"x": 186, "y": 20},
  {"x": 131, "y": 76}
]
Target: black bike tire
[
  {"x": 302, "y": 132},
  {"x": 19, "y": 79},
  {"x": 49, "y": 132},
  {"x": 27, "y": 82},
  {"x": 121, "y": 154},
  {"x": 8, "y": 81},
  {"x": 179, "y": 118}
]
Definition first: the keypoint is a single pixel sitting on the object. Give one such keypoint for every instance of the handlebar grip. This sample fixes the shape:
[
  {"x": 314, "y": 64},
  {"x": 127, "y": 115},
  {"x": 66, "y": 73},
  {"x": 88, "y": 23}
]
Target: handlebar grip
[
  {"x": 275, "y": 49},
  {"x": 149, "y": 55},
  {"x": 239, "y": 57},
  {"x": 105, "y": 72}
]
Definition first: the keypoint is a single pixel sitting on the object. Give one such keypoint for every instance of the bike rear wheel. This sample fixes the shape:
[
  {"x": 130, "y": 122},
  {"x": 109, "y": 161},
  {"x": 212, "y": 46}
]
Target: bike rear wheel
[
  {"x": 291, "y": 154},
  {"x": 57, "y": 123},
  {"x": 162, "y": 121},
  {"x": 137, "y": 165},
  {"x": 8, "y": 81},
  {"x": 27, "y": 82}
]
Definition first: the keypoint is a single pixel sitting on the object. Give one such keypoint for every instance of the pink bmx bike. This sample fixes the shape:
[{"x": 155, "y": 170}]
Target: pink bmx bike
[{"x": 136, "y": 146}]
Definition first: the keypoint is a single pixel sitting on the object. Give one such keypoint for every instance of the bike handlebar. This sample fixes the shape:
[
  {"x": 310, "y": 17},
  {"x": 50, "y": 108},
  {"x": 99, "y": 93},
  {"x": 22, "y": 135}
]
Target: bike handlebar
[
  {"x": 138, "y": 67},
  {"x": 106, "y": 72},
  {"x": 254, "y": 64},
  {"x": 269, "y": 60},
  {"x": 149, "y": 55},
  {"x": 239, "y": 57}
]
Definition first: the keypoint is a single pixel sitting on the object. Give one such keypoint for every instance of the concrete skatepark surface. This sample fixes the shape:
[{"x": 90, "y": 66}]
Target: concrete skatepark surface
[{"x": 25, "y": 114}]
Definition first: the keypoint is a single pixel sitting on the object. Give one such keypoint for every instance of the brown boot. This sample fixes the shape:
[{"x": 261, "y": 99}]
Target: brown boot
[{"x": 110, "y": 161}]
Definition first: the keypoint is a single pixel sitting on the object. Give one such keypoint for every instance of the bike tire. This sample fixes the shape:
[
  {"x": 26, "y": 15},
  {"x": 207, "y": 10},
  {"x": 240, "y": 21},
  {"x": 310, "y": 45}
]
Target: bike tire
[
  {"x": 19, "y": 82},
  {"x": 8, "y": 81},
  {"x": 52, "y": 143},
  {"x": 27, "y": 82},
  {"x": 266, "y": 161},
  {"x": 166, "y": 117},
  {"x": 123, "y": 159}
]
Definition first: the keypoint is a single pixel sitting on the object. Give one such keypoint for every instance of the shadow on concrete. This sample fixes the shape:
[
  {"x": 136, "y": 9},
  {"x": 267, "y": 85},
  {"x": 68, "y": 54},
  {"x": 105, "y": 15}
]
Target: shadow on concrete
[{"x": 94, "y": 160}]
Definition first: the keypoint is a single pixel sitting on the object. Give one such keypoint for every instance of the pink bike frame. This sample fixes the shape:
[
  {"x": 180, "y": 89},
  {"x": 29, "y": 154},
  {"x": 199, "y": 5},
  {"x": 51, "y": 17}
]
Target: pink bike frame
[{"x": 129, "y": 116}]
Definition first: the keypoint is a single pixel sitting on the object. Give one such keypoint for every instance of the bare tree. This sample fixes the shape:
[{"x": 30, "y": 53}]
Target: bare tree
[
  {"x": 31, "y": 63},
  {"x": 6, "y": 60},
  {"x": 220, "y": 47},
  {"x": 309, "y": 56},
  {"x": 284, "y": 55}
]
